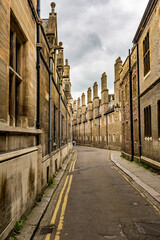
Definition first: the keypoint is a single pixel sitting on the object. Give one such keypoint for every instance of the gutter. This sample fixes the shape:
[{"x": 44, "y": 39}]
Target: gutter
[
  {"x": 38, "y": 71},
  {"x": 146, "y": 16},
  {"x": 60, "y": 121},
  {"x": 139, "y": 106},
  {"x": 131, "y": 110},
  {"x": 50, "y": 105},
  {"x": 67, "y": 122}
]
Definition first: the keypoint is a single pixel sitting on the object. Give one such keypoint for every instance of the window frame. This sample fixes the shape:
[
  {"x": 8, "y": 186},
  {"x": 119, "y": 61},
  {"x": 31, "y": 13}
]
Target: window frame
[
  {"x": 148, "y": 121},
  {"x": 158, "y": 118},
  {"x": 146, "y": 54}
]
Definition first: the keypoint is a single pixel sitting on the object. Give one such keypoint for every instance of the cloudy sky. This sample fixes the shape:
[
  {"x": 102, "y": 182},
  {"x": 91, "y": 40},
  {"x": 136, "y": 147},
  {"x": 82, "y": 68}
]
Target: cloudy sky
[{"x": 95, "y": 33}]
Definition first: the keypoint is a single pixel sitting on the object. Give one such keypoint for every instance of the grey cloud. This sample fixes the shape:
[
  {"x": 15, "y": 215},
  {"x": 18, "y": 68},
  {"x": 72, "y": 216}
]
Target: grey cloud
[{"x": 95, "y": 33}]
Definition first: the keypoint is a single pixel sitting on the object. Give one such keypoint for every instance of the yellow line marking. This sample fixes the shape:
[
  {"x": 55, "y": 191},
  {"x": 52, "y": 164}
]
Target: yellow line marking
[
  {"x": 48, "y": 237},
  {"x": 60, "y": 225},
  {"x": 153, "y": 205},
  {"x": 73, "y": 166},
  {"x": 59, "y": 202}
]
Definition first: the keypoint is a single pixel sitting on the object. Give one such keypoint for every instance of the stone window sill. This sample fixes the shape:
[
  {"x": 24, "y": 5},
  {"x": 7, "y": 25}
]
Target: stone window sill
[
  {"x": 146, "y": 76},
  {"x": 18, "y": 130}
]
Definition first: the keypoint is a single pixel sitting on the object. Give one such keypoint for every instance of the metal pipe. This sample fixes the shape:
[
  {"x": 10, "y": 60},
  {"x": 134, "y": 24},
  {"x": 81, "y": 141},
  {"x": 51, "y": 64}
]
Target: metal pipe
[
  {"x": 60, "y": 118},
  {"x": 131, "y": 109},
  {"x": 99, "y": 132},
  {"x": 139, "y": 112},
  {"x": 84, "y": 132},
  {"x": 91, "y": 130},
  {"x": 106, "y": 131},
  {"x": 50, "y": 106},
  {"x": 67, "y": 122},
  {"x": 38, "y": 8},
  {"x": 38, "y": 72}
]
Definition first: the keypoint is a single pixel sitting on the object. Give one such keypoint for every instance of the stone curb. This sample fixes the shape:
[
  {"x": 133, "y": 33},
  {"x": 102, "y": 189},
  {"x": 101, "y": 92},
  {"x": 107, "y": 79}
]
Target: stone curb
[
  {"x": 34, "y": 218},
  {"x": 147, "y": 188}
]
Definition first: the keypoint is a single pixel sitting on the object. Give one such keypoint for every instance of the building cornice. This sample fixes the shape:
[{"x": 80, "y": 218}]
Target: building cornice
[{"x": 146, "y": 16}]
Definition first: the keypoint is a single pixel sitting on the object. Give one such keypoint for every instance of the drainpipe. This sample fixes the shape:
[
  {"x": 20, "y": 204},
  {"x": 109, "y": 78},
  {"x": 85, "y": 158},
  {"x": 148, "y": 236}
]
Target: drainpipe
[
  {"x": 38, "y": 71},
  {"x": 131, "y": 110},
  {"x": 91, "y": 129},
  {"x": 84, "y": 132},
  {"x": 67, "y": 122},
  {"x": 60, "y": 121},
  {"x": 139, "y": 112},
  {"x": 106, "y": 131},
  {"x": 79, "y": 133},
  {"x": 50, "y": 105},
  {"x": 99, "y": 131}
]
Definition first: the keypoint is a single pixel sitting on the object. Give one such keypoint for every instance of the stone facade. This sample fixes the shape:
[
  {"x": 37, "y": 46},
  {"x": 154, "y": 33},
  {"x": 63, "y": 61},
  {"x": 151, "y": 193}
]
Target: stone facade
[
  {"x": 98, "y": 124},
  {"x": 35, "y": 107},
  {"x": 149, "y": 82},
  {"x": 129, "y": 105},
  {"x": 130, "y": 119}
]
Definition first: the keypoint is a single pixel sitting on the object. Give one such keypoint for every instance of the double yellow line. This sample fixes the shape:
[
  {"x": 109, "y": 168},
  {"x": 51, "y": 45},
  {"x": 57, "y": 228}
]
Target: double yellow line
[
  {"x": 64, "y": 205},
  {"x": 153, "y": 205}
]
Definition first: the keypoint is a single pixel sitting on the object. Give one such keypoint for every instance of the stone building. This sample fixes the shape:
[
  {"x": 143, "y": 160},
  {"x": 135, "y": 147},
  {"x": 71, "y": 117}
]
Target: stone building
[
  {"x": 98, "y": 124},
  {"x": 129, "y": 106},
  {"x": 147, "y": 40},
  {"x": 35, "y": 107},
  {"x": 129, "y": 119}
]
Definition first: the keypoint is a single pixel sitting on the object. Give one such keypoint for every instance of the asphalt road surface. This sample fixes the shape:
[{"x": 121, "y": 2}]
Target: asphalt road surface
[{"x": 95, "y": 201}]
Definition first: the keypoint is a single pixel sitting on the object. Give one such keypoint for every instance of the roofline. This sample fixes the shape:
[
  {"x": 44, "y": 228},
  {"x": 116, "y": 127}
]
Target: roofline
[
  {"x": 109, "y": 111},
  {"x": 148, "y": 11}
]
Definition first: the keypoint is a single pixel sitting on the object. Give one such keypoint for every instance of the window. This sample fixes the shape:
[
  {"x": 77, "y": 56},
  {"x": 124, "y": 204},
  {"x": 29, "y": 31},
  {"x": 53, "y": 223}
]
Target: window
[
  {"x": 109, "y": 138},
  {"x": 147, "y": 122},
  {"x": 113, "y": 118},
  {"x": 62, "y": 126},
  {"x": 16, "y": 53},
  {"x": 123, "y": 130},
  {"x": 122, "y": 98},
  {"x": 146, "y": 54},
  {"x": 159, "y": 119},
  {"x": 127, "y": 132},
  {"x": 54, "y": 125},
  {"x": 120, "y": 116},
  {"x": 114, "y": 138},
  {"x": 126, "y": 93},
  {"x": 136, "y": 130},
  {"x": 134, "y": 87}
]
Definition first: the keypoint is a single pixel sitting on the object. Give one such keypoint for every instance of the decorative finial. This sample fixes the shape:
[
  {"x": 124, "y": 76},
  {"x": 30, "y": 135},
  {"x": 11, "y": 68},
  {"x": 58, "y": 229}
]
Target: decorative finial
[
  {"x": 60, "y": 44},
  {"x": 53, "y": 5},
  {"x": 66, "y": 61}
]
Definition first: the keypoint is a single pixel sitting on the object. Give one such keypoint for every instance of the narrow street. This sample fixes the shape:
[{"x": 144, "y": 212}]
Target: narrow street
[{"x": 95, "y": 201}]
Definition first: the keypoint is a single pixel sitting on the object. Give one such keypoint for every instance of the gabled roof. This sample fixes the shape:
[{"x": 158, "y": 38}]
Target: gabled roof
[{"x": 146, "y": 16}]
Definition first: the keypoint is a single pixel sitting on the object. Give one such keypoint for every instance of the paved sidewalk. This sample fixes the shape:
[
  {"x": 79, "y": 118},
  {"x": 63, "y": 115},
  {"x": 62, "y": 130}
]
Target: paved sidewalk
[{"x": 147, "y": 180}]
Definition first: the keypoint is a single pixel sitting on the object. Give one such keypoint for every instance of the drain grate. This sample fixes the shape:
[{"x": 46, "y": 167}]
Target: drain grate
[
  {"x": 46, "y": 230},
  {"x": 152, "y": 229}
]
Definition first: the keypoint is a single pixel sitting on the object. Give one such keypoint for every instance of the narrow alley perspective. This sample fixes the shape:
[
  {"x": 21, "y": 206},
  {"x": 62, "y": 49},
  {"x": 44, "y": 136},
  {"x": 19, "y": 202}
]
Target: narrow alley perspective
[
  {"x": 79, "y": 120},
  {"x": 96, "y": 200}
]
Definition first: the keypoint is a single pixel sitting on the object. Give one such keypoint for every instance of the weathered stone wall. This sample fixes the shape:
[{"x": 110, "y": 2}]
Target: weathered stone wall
[
  {"x": 125, "y": 106},
  {"x": 90, "y": 126},
  {"x": 150, "y": 146},
  {"x": 18, "y": 186},
  {"x": 26, "y": 168}
]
